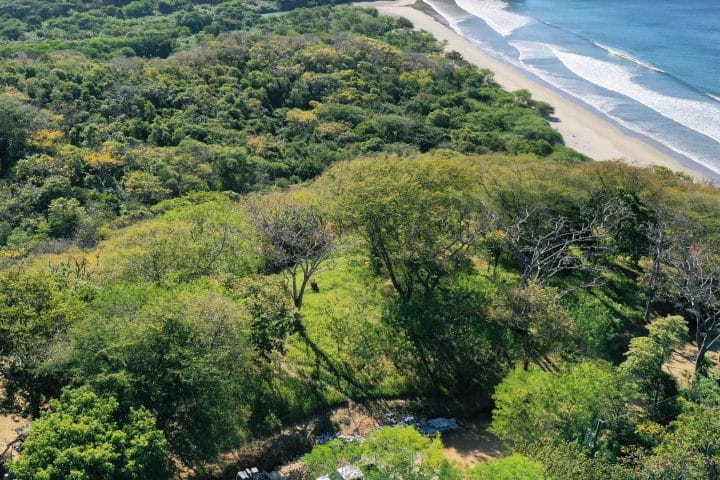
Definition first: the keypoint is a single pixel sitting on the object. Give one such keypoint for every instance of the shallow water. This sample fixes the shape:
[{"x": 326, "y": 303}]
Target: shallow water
[{"x": 651, "y": 65}]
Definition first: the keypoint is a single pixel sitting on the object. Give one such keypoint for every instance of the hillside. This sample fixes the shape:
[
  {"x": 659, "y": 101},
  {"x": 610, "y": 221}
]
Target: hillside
[{"x": 217, "y": 221}]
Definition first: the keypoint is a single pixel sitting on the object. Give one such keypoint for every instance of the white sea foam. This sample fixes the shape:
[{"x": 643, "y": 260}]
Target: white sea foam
[
  {"x": 532, "y": 50},
  {"x": 535, "y": 50},
  {"x": 714, "y": 97},
  {"x": 703, "y": 117},
  {"x": 529, "y": 51},
  {"x": 453, "y": 20},
  {"x": 626, "y": 56},
  {"x": 495, "y": 14}
]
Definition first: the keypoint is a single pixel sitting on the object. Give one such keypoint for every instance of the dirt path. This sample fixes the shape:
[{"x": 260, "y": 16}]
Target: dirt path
[
  {"x": 9, "y": 424},
  {"x": 473, "y": 444}
]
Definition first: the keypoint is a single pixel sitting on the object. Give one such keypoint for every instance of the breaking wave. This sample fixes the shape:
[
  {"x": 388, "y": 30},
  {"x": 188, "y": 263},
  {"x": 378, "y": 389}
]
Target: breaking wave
[
  {"x": 495, "y": 14},
  {"x": 626, "y": 56},
  {"x": 696, "y": 115}
]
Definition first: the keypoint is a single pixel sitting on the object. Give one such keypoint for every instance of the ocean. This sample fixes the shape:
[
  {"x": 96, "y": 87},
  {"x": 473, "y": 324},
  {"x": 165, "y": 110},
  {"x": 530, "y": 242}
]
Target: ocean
[{"x": 653, "y": 66}]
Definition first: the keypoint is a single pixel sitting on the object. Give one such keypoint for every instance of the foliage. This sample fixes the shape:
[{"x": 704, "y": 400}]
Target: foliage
[
  {"x": 538, "y": 319},
  {"x": 514, "y": 467},
  {"x": 228, "y": 109},
  {"x": 83, "y": 436},
  {"x": 64, "y": 217},
  {"x": 17, "y": 120},
  {"x": 586, "y": 403},
  {"x": 570, "y": 461},
  {"x": 647, "y": 355},
  {"x": 455, "y": 348},
  {"x": 389, "y": 453},
  {"x": 418, "y": 217},
  {"x": 689, "y": 449},
  {"x": 34, "y": 312},
  {"x": 272, "y": 315},
  {"x": 469, "y": 242},
  {"x": 169, "y": 353}
]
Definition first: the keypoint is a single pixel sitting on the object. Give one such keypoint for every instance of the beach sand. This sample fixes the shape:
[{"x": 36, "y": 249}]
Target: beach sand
[{"x": 582, "y": 128}]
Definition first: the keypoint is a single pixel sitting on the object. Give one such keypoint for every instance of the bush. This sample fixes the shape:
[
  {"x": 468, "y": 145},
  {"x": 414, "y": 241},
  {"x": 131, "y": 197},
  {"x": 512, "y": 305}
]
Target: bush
[
  {"x": 138, "y": 8},
  {"x": 514, "y": 467},
  {"x": 85, "y": 437},
  {"x": 64, "y": 217}
]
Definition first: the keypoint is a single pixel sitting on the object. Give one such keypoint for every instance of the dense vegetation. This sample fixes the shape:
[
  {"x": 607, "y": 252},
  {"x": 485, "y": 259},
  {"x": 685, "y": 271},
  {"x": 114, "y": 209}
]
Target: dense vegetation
[
  {"x": 86, "y": 141},
  {"x": 215, "y": 222}
]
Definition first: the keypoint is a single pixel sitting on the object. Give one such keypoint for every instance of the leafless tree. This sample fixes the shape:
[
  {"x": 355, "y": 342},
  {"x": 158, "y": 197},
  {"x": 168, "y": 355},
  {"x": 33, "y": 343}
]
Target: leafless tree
[
  {"x": 545, "y": 248},
  {"x": 666, "y": 234},
  {"x": 296, "y": 240},
  {"x": 696, "y": 278}
]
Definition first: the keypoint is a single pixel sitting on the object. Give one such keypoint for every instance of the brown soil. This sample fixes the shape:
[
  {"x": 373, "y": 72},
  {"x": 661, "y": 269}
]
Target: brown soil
[
  {"x": 354, "y": 420},
  {"x": 9, "y": 424},
  {"x": 682, "y": 364},
  {"x": 473, "y": 444}
]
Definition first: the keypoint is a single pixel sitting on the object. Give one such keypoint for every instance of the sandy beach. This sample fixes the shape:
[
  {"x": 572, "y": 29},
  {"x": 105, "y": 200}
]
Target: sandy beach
[{"x": 582, "y": 128}]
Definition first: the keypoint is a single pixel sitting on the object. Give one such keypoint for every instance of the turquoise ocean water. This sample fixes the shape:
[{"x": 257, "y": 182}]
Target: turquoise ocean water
[{"x": 653, "y": 66}]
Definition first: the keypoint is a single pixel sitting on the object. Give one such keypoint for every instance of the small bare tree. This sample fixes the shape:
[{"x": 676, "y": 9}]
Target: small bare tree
[
  {"x": 695, "y": 277},
  {"x": 296, "y": 239}
]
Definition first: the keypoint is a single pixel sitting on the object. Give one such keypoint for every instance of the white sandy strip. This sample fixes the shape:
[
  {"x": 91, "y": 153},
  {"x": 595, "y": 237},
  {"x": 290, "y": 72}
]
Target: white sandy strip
[{"x": 584, "y": 130}]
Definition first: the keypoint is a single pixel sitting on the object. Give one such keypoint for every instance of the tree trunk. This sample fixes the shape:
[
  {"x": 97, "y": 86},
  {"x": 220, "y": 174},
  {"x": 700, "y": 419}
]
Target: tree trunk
[
  {"x": 700, "y": 359},
  {"x": 654, "y": 278}
]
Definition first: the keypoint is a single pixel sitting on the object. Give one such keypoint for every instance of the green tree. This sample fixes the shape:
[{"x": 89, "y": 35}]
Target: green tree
[
  {"x": 171, "y": 355},
  {"x": 418, "y": 216},
  {"x": 452, "y": 344},
  {"x": 390, "y": 453},
  {"x": 64, "y": 217},
  {"x": 272, "y": 314},
  {"x": 689, "y": 450},
  {"x": 571, "y": 461},
  {"x": 325, "y": 459},
  {"x": 85, "y": 437},
  {"x": 33, "y": 314},
  {"x": 145, "y": 187},
  {"x": 540, "y": 323},
  {"x": 17, "y": 120},
  {"x": 587, "y": 403},
  {"x": 138, "y": 8},
  {"x": 647, "y": 355},
  {"x": 403, "y": 453},
  {"x": 514, "y": 467}
]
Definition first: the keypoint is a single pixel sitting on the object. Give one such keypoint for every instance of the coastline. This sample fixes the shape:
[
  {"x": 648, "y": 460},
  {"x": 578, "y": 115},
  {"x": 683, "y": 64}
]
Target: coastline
[{"x": 584, "y": 129}]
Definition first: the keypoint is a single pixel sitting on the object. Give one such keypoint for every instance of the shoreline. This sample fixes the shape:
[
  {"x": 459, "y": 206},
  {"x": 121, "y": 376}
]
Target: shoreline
[{"x": 583, "y": 128}]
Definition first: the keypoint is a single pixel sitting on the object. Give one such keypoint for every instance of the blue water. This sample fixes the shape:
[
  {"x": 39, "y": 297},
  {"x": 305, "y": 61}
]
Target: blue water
[{"x": 652, "y": 66}]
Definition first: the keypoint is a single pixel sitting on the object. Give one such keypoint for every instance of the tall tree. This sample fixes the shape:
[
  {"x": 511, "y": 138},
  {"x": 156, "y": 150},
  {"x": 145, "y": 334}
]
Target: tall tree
[
  {"x": 665, "y": 234},
  {"x": 586, "y": 403},
  {"x": 418, "y": 217},
  {"x": 33, "y": 315},
  {"x": 17, "y": 120},
  {"x": 538, "y": 319}
]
